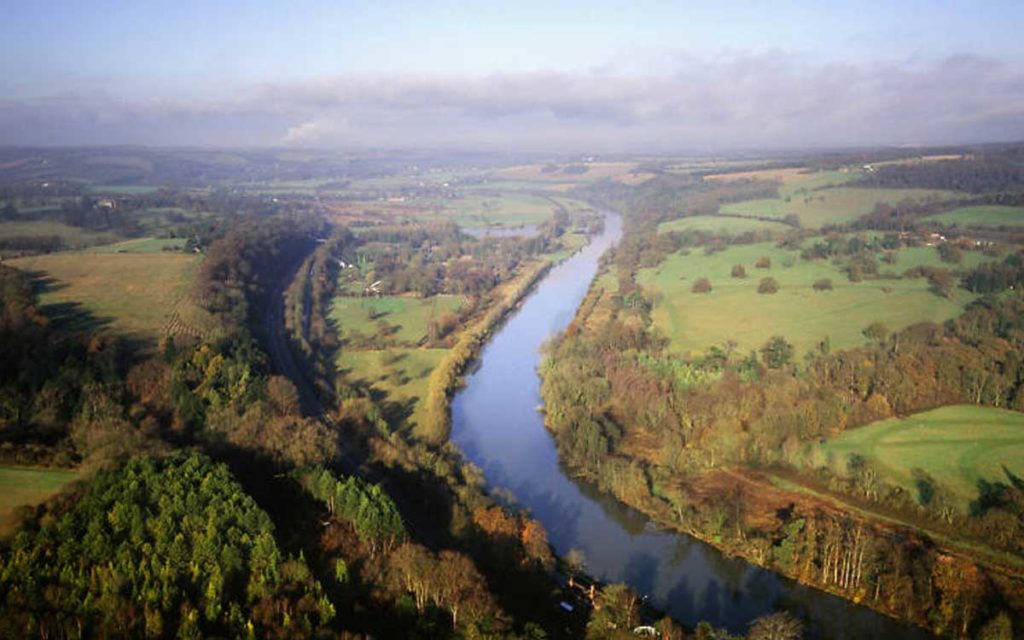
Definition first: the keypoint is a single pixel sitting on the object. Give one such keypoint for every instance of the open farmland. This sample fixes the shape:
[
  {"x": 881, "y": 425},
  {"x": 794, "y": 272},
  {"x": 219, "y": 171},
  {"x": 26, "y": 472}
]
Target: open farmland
[
  {"x": 623, "y": 172},
  {"x": 727, "y": 225},
  {"x": 734, "y": 310},
  {"x": 407, "y": 317},
  {"x": 504, "y": 209},
  {"x": 20, "y": 486},
  {"x": 831, "y": 206},
  {"x": 140, "y": 245},
  {"x": 71, "y": 237},
  {"x": 956, "y": 445},
  {"x": 791, "y": 180},
  {"x": 139, "y": 294},
  {"x": 402, "y": 375},
  {"x": 982, "y": 216}
]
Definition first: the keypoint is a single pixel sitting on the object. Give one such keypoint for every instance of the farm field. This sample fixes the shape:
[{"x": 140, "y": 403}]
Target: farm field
[
  {"x": 140, "y": 245},
  {"x": 697, "y": 321},
  {"x": 21, "y": 486},
  {"x": 410, "y": 315},
  {"x": 982, "y": 216},
  {"x": 793, "y": 179},
  {"x": 956, "y": 445},
  {"x": 73, "y": 237},
  {"x": 830, "y": 206},
  {"x": 401, "y": 374},
  {"x": 142, "y": 295},
  {"x": 721, "y": 224},
  {"x": 618, "y": 171},
  {"x": 506, "y": 209},
  {"x": 911, "y": 257}
]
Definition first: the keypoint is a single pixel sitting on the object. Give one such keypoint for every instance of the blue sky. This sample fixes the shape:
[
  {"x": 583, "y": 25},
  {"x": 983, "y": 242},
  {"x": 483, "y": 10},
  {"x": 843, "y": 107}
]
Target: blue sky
[{"x": 393, "y": 73}]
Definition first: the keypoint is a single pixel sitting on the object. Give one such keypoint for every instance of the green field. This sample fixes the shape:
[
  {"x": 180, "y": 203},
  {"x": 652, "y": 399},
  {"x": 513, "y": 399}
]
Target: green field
[
  {"x": 140, "y": 245},
  {"x": 956, "y": 445},
  {"x": 410, "y": 315},
  {"x": 73, "y": 237},
  {"x": 21, "y": 486},
  {"x": 911, "y": 257},
  {"x": 735, "y": 311},
  {"x": 791, "y": 180},
  {"x": 143, "y": 295},
  {"x": 984, "y": 216},
  {"x": 506, "y": 209},
  {"x": 401, "y": 374},
  {"x": 720, "y": 224},
  {"x": 830, "y": 206}
]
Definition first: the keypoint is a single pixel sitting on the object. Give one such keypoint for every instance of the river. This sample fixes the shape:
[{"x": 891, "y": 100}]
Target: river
[{"x": 497, "y": 423}]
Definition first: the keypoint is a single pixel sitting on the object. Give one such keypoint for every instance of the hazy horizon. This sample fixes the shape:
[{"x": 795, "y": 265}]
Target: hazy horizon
[{"x": 573, "y": 77}]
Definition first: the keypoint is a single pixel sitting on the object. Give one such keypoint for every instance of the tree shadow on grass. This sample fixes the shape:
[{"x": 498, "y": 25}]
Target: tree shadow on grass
[{"x": 73, "y": 317}]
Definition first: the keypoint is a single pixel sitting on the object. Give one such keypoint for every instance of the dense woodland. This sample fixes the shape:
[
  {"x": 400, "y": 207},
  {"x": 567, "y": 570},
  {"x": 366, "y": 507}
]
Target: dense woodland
[
  {"x": 165, "y": 547},
  {"x": 982, "y": 173}
]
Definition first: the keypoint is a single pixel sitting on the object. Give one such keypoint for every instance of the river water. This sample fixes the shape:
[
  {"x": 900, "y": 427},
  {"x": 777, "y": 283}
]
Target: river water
[{"x": 497, "y": 423}]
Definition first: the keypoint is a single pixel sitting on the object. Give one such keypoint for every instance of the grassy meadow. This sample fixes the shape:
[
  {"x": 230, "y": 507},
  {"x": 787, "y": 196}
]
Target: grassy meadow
[
  {"x": 829, "y": 206},
  {"x": 20, "y": 486},
  {"x": 956, "y": 445},
  {"x": 791, "y": 180},
  {"x": 143, "y": 295},
  {"x": 400, "y": 374},
  {"x": 505, "y": 209},
  {"x": 72, "y": 237},
  {"x": 623, "y": 172},
  {"x": 982, "y": 216},
  {"x": 140, "y": 245},
  {"x": 721, "y": 224},
  {"x": 408, "y": 315},
  {"x": 734, "y": 310}
]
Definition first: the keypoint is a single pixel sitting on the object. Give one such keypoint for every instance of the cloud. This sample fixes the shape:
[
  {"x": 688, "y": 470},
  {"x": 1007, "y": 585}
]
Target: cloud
[{"x": 771, "y": 99}]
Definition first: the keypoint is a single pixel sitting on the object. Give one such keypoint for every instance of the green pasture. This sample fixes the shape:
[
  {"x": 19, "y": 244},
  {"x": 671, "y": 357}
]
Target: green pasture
[
  {"x": 407, "y": 314},
  {"x": 400, "y": 375},
  {"x": 982, "y": 216},
  {"x": 830, "y": 206},
  {"x": 141, "y": 294},
  {"x": 734, "y": 310},
  {"x": 727, "y": 225},
  {"x": 140, "y": 245},
  {"x": 956, "y": 445},
  {"x": 505, "y": 209},
  {"x": 20, "y": 486},
  {"x": 73, "y": 237},
  {"x": 911, "y": 257}
]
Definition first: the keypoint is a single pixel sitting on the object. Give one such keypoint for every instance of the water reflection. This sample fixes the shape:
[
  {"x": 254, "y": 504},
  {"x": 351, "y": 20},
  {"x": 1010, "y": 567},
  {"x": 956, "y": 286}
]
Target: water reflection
[{"x": 496, "y": 423}]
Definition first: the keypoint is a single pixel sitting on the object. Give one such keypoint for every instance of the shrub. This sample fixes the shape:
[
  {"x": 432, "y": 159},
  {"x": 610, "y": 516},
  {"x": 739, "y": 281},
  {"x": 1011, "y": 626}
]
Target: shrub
[
  {"x": 950, "y": 253},
  {"x": 701, "y": 285},
  {"x": 777, "y": 353},
  {"x": 824, "y": 284},
  {"x": 764, "y": 262},
  {"x": 738, "y": 271},
  {"x": 768, "y": 285}
]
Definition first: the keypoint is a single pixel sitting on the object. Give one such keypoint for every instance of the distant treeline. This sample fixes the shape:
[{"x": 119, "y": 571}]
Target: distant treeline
[
  {"x": 668, "y": 197},
  {"x": 981, "y": 174}
]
